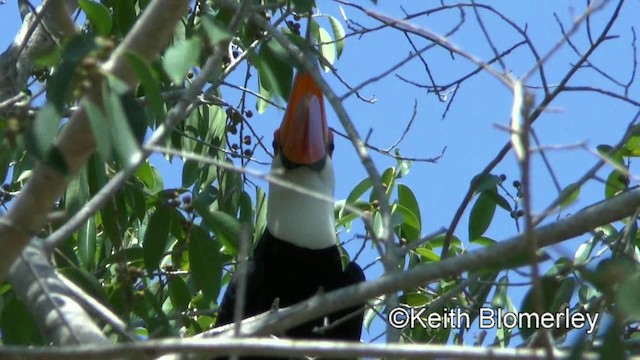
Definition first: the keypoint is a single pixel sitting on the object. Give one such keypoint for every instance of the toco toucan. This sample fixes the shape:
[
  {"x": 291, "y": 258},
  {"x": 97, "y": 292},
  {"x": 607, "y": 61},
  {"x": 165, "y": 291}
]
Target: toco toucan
[{"x": 298, "y": 255}]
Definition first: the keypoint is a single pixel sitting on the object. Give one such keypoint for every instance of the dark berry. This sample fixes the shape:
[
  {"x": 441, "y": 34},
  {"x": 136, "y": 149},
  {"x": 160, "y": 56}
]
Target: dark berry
[
  {"x": 503, "y": 177},
  {"x": 296, "y": 17},
  {"x": 249, "y": 113},
  {"x": 247, "y": 140},
  {"x": 248, "y": 153},
  {"x": 516, "y": 184}
]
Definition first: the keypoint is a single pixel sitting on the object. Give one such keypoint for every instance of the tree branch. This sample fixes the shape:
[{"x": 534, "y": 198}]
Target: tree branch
[{"x": 60, "y": 318}]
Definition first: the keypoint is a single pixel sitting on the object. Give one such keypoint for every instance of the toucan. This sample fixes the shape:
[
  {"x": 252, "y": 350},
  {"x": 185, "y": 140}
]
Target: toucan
[{"x": 298, "y": 255}]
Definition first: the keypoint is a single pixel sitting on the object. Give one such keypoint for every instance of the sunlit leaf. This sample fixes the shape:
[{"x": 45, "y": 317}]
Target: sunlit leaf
[
  {"x": 569, "y": 195},
  {"x": 179, "y": 58},
  {"x": 427, "y": 255},
  {"x": 98, "y": 15},
  {"x": 338, "y": 34},
  {"x": 327, "y": 48}
]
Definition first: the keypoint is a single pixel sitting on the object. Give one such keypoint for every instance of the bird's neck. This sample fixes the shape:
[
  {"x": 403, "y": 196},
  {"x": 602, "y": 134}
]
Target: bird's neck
[{"x": 298, "y": 218}]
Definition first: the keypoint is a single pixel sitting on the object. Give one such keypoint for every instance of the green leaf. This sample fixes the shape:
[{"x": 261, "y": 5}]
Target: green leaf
[
  {"x": 44, "y": 130},
  {"x": 388, "y": 178},
  {"x": 133, "y": 254},
  {"x": 190, "y": 173},
  {"x": 225, "y": 226},
  {"x": 87, "y": 244},
  {"x": 246, "y": 209},
  {"x": 179, "y": 58},
  {"x": 428, "y": 255},
  {"x": 417, "y": 299},
  {"x": 261, "y": 214},
  {"x": 403, "y": 166},
  {"x": 215, "y": 30},
  {"x": 274, "y": 73},
  {"x": 549, "y": 286},
  {"x": 632, "y": 147},
  {"x": 583, "y": 252},
  {"x": 179, "y": 293},
  {"x": 563, "y": 296},
  {"x": 327, "y": 48},
  {"x": 500, "y": 296},
  {"x": 124, "y": 14},
  {"x": 338, "y": 34},
  {"x": 149, "y": 83},
  {"x": 265, "y": 96},
  {"x": 438, "y": 242},
  {"x": 483, "y": 241},
  {"x": 560, "y": 268},
  {"x": 485, "y": 182},
  {"x": 85, "y": 280},
  {"x": 77, "y": 192},
  {"x": 373, "y": 311},
  {"x": 407, "y": 199},
  {"x": 611, "y": 155},
  {"x": 150, "y": 177},
  {"x": 627, "y": 297},
  {"x": 121, "y": 133},
  {"x": 499, "y": 200},
  {"x": 481, "y": 215},
  {"x": 302, "y": 6},
  {"x": 206, "y": 264},
  {"x": 569, "y": 195},
  {"x": 613, "y": 346},
  {"x": 156, "y": 237},
  {"x": 409, "y": 222},
  {"x": 617, "y": 182},
  {"x": 100, "y": 127},
  {"x": 355, "y": 194},
  {"x": 18, "y": 326},
  {"x": 98, "y": 15}
]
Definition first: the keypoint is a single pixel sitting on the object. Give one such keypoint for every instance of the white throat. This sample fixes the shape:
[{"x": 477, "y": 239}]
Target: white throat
[{"x": 298, "y": 218}]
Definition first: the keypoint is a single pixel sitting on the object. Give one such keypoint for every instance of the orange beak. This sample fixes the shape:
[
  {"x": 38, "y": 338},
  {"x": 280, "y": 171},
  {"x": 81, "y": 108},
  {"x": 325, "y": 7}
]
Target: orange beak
[{"x": 303, "y": 137}]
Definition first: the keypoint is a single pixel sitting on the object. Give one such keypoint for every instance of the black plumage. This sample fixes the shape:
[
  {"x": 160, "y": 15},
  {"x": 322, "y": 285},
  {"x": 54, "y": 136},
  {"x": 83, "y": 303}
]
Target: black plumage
[{"x": 293, "y": 274}]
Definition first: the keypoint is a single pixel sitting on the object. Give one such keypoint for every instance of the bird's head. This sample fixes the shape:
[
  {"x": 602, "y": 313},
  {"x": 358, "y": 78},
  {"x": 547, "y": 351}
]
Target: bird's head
[
  {"x": 303, "y": 138},
  {"x": 303, "y": 148}
]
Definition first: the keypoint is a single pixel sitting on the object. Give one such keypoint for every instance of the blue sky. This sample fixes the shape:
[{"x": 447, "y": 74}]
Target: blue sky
[{"x": 469, "y": 131}]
